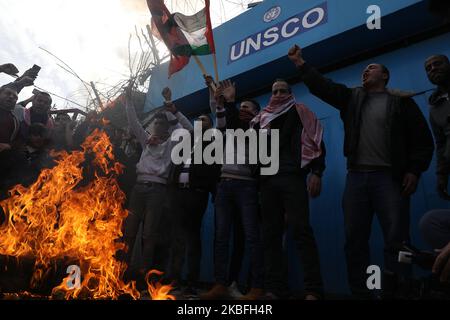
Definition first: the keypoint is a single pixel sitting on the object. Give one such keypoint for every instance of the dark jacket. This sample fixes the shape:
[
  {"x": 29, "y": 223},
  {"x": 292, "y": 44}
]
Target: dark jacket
[
  {"x": 290, "y": 129},
  {"x": 290, "y": 144},
  {"x": 440, "y": 123},
  {"x": 409, "y": 138},
  {"x": 9, "y": 128},
  {"x": 201, "y": 176}
]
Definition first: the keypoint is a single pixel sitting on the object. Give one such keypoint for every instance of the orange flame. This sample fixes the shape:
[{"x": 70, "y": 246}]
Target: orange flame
[
  {"x": 158, "y": 291},
  {"x": 58, "y": 218}
]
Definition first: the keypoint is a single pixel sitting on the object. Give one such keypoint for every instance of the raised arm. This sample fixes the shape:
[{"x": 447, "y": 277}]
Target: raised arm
[
  {"x": 227, "y": 114},
  {"x": 9, "y": 68},
  {"x": 212, "y": 100},
  {"x": 172, "y": 112},
  {"x": 335, "y": 94},
  {"x": 182, "y": 121},
  {"x": 135, "y": 126}
]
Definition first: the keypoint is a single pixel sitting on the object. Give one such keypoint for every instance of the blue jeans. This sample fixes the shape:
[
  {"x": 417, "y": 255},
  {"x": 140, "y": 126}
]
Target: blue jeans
[
  {"x": 435, "y": 228},
  {"x": 241, "y": 196},
  {"x": 366, "y": 194}
]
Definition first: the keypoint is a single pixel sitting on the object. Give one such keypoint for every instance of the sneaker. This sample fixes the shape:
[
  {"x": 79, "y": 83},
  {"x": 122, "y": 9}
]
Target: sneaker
[
  {"x": 234, "y": 291},
  {"x": 218, "y": 292},
  {"x": 254, "y": 294}
]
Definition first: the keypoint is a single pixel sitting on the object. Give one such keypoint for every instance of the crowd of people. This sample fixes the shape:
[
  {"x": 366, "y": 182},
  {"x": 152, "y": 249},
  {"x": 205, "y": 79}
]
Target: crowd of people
[
  {"x": 387, "y": 142},
  {"x": 28, "y": 134}
]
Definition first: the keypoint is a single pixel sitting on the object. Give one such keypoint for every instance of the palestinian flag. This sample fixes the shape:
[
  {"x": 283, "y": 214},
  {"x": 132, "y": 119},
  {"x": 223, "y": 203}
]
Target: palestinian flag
[
  {"x": 183, "y": 35},
  {"x": 197, "y": 31}
]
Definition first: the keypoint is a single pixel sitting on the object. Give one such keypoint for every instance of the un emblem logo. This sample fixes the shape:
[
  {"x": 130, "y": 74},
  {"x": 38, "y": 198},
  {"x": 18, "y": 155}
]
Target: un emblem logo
[{"x": 272, "y": 14}]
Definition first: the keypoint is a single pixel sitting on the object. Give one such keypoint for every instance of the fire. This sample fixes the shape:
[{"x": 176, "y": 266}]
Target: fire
[
  {"x": 158, "y": 291},
  {"x": 62, "y": 218}
]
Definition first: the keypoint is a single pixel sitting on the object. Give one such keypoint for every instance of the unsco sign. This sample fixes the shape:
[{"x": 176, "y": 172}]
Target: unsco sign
[{"x": 280, "y": 32}]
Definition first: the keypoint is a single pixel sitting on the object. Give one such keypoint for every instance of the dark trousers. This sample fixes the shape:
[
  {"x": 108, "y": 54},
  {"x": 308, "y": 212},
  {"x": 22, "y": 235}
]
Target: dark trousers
[
  {"x": 241, "y": 196},
  {"x": 435, "y": 228},
  {"x": 366, "y": 194},
  {"x": 286, "y": 196},
  {"x": 146, "y": 206},
  {"x": 237, "y": 255},
  {"x": 187, "y": 207}
]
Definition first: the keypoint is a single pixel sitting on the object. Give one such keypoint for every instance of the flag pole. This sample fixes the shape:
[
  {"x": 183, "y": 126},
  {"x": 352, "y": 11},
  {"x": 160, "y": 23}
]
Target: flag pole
[
  {"x": 216, "y": 70},
  {"x": 202, "y": 68},
  {"x": 200, "y": 64}
]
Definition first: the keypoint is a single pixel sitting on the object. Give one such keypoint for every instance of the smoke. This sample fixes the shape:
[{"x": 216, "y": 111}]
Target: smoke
[{"x": 135, "y": 5}]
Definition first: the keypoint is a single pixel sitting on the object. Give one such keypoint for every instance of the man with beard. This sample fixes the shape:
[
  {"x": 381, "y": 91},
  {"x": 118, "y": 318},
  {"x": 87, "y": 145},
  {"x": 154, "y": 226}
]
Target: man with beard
[{"x": 388, "y": 145}]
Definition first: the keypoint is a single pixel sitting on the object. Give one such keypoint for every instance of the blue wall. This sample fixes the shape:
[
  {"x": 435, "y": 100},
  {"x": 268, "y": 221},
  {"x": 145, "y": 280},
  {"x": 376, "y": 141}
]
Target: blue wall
[
  {"x": 407, "y": 73},
  {"x": 342, "y": 17},
  {"x": 343, "y": 36}
]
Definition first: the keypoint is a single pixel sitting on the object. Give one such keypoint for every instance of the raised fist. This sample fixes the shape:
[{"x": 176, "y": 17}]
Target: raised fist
[
  {"x": 295, "y": 55},
  {"x": 167, "y": 94}
]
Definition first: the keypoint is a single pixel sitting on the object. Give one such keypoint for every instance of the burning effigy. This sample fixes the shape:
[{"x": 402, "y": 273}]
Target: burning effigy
[{"x": 65, "y": 220}]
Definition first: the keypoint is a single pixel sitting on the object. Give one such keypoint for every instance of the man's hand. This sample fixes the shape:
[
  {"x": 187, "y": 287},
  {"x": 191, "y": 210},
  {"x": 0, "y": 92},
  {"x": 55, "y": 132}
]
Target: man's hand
[
  {"x": 314, "y": 185},
  {"x": 442, "y": 264},
  {"x": 295, "y": 55},
  {"x": 25, "y": 81},
  {"x": 32, "y": 73},
  {"x": 24, "y": 103},
  {"x": 218, "y": 96},
  {"x": 442, "y": 182},
  {"x": 4, "y": 147},
  {"x": 208, "y": 80},
  {"x": 229, "y": 90},
  {"x": 167, "y": 94},
  {"x": 170, "y": 107},
  {"x": 409, "y": 184},
  {"x": 9, "y": 68}
]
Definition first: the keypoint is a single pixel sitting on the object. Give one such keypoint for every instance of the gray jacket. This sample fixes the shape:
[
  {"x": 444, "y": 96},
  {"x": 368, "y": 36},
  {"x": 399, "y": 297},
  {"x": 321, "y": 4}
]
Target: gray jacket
[{"x": 154, "y": 164}]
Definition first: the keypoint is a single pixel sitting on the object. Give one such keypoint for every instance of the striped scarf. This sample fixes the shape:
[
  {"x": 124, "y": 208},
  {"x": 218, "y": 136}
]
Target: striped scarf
[{"x": 312, "y": 133}]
